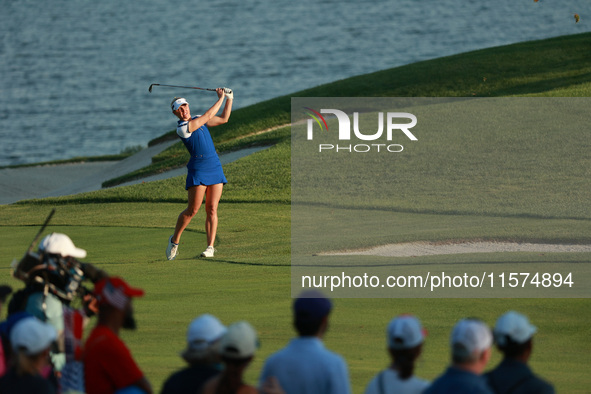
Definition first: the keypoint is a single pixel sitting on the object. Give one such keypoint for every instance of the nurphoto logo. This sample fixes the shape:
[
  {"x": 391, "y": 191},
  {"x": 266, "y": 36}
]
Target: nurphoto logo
[{"x": 393, "y": 124}]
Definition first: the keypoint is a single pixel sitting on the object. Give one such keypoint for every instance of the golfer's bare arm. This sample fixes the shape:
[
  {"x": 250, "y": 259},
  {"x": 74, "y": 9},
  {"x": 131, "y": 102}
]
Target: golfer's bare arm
[
  {"x": 218, "y": 120},
  {"x": 194, "y": 124}
]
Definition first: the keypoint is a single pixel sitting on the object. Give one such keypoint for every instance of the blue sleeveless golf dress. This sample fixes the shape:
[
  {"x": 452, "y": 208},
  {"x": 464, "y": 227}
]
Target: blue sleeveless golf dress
[{"x": 204, "y": 167}]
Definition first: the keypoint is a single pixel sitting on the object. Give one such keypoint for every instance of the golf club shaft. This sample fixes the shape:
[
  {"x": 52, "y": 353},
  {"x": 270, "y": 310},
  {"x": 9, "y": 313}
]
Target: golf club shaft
[
  {"x": 176, "y": 86},
  {"x": 32, "y": 245}
]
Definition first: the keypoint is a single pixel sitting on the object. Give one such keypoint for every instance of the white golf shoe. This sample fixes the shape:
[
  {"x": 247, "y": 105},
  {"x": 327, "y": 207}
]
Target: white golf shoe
[
  {"x": 208, "y": 252},
  {"x": 172, "y": 249}
]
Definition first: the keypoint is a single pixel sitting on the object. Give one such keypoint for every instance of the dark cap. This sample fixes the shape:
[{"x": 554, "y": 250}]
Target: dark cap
[{"x": 311, "y": 305}]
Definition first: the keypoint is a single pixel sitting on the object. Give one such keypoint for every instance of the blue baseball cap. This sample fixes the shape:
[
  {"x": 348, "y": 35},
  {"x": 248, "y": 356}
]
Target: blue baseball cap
[{"x": 312, "y": 305}]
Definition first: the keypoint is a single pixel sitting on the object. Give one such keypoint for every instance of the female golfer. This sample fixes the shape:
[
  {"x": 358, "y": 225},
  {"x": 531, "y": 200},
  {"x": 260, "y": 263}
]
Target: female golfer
[{"x": 205, "y": 175}]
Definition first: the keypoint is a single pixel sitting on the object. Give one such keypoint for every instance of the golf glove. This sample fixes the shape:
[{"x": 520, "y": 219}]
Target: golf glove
[{"x": 229, "y": 93}]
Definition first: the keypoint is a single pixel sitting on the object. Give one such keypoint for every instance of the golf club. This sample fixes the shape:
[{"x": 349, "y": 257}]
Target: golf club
[
  {"x": 32, "y": 245},
  {"x": 175, "y": 86}
]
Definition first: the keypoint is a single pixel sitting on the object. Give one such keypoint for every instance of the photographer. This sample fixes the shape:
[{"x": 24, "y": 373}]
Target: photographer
[{"x": 53, "y": 279}]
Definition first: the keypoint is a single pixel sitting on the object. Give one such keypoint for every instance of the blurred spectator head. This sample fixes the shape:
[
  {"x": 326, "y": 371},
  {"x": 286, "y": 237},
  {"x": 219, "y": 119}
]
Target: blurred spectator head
[
  {"x": 114, "y": 291},
  {"x": 405, "y": 336},
  {"x": 203, "y": 336},
  {"x": 114, "y": 297},
  {"x": 31, "y": 341},
  {"x": 60, "y": 244},
  {"x": 471, "y": 341},
  {"x": 32, "y": 336},
  {"x": 240, "y": 342},
  {"x": 513, "y": 334},
  {"x": 311, "y": 310},
  {"x": 405, "y": 332}
]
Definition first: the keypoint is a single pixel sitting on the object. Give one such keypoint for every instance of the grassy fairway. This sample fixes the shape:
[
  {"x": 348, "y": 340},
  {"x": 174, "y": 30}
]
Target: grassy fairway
[
  {"x": 249, "y": 279},
  {"x": 125, "y": 229}
]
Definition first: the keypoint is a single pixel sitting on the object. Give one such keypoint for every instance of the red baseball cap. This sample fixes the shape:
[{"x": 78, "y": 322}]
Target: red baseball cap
[{"x": 115, "y": 291}]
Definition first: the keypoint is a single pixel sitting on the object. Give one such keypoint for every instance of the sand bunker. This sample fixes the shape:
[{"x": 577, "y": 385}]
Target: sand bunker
[{"x": 429, "y": 249}]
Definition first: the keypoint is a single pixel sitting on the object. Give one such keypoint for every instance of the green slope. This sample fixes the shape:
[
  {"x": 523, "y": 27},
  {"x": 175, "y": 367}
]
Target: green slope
[{"x": 558, "y": 67}]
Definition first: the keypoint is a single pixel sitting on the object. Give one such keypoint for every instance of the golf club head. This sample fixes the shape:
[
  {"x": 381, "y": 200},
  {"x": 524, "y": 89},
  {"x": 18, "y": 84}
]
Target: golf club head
[{"x": 150, "y": 88}]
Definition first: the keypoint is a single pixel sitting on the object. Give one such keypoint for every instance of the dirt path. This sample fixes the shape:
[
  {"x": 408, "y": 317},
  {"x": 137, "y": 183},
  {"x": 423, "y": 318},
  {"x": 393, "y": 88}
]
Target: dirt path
[{"x": 25, "y": 183}]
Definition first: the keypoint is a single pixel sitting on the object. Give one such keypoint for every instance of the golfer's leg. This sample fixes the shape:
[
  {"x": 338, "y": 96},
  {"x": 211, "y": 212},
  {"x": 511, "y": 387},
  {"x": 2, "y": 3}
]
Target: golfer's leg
[
  {"x": 195, "y": 200},
  {"x": 212, "y": 199}
]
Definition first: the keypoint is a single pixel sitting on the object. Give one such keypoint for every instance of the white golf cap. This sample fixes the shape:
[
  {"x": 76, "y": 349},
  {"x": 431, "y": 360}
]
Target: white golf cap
[
  {"x": 239, "y": 342},
  {"x": 32, "y": 335},
  {"x": 514, "y": 326},
  {"x": 404, "y": 332},
  {"x": 56, "y": 243},
  {"x": 470, "y": 336},
  {"x": 203, "y": 332},
  {"x": 177, "y": 103}
]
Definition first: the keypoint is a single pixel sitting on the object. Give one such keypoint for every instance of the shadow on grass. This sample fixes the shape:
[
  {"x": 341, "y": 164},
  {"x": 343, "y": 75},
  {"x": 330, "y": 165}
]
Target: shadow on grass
[
  {"x": 440, "y": 212},
  {"x": 244, "y": 263},
  {"x": 470, "y": 263},
  {"x": 544, "y": 85}
]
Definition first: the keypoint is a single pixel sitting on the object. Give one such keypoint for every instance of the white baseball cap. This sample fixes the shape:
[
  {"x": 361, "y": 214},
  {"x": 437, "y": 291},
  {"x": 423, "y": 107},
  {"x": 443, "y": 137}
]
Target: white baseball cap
[
  {"x": 177, "y": 103},
  {"x": 240, "y": 341},
  {"x": 515, "y": 326},
  {"x": 472, "y": 335},
  {"x": 32, "y": 335},
  {"x": 404, "y": 332},
  {"x": 203, "y": 332},
  {"x": 61, "y": 244}
]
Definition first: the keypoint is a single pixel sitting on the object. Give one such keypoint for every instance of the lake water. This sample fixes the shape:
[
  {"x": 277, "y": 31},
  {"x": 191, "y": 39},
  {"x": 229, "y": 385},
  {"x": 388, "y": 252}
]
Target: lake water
[{"x": 74, "y": 75}]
